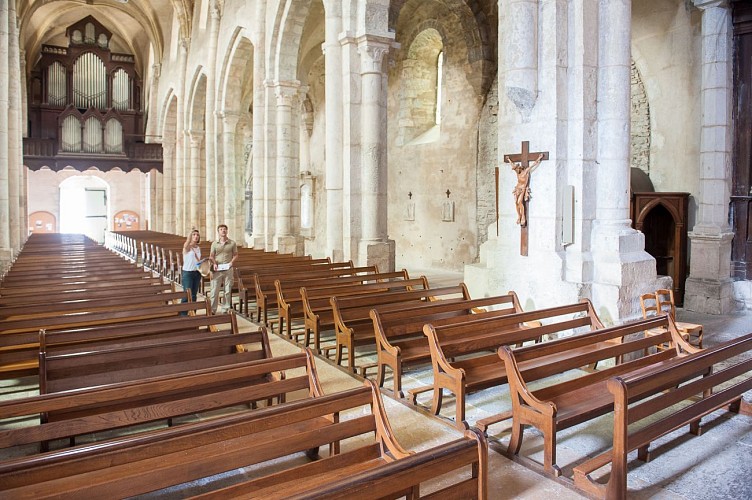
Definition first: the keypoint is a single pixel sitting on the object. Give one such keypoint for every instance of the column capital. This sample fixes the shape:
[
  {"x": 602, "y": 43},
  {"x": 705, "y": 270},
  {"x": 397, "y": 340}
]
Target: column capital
[
  {"x": 196, "y": 137},
  {"x": 286, "y": 91},
  {"x": 229, "y": 118},
  {"x": 185, "y": 43},
  {"x": 709, "y": 4},
  {"x": 372, "y": 50},
  {"x": 216, "y": 8},
  {"x": 156, "y": 70}
]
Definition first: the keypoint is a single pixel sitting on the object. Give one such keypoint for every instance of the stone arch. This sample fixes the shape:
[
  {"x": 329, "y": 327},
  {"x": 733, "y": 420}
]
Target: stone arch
[
  {"x": 477, "y": 27},
  {"x": 285, "y": 46},
  {"x": 236, "y": 90},
  {"x": 419, "y": 83}
]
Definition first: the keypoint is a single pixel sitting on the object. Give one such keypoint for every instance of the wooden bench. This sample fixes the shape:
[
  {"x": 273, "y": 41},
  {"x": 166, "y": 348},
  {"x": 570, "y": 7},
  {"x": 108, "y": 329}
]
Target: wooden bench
[
  {"x": 57, "y": 306},
  {"x": 245, "y": 278},
  {"x": 86, "y": 365},
  {"x": 19, "y": 339},
  {"x": 364, "y": 459},
  {"x": 131, "y": 404},
  {"x": 353, "y": 326},
  {"x": 463, "y": 357},
  {"x": 34, "y": 299},
  {"x": 583, "y": 396},
  {"x": 399, "y": 334},
  {"x": 638, "y": 398},
  {"x": 314, "y": 298},
  {"x": 266, "y": 293}
]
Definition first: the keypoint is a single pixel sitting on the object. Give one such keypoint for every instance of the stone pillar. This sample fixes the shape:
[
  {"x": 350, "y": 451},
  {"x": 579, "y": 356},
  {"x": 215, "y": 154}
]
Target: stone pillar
[
  {"x": 258, "y": 238},
  {"x": 374, "y": 248},
  {"x": 181, "y": 163},
  {"x": 287, "y": 194},
  {"x": 709, "y": 287},
  {"x": 6, "y": 251},
  {"x": 334, "y": 129},
  {"x": 15, "y": 156},
  {"x": 195, "y": 196},
  {"x": 622, "y": 268},
  {"x": 155, "y": 212},
  {"x": 168, "y": 184},
  {"x": 152, "y": 126},
  {"x": 233, "y": 202},
  {"x": 521, "y": 53},
  {"x": 213, "y": 179}
]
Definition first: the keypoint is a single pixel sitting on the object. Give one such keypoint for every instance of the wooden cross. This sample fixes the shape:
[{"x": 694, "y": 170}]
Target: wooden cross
[{"x": 522, "y": 162}]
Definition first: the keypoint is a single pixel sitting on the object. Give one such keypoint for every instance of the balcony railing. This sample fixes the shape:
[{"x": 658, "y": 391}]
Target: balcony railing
[{"x": 40, "y": 153}]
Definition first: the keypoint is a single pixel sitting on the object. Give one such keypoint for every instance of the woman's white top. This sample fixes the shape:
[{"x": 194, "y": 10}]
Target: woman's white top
[{"x": 191, "y": 258}]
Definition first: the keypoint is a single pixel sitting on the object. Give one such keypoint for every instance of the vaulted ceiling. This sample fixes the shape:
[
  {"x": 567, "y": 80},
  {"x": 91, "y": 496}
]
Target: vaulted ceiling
[{"x": 138, "y": 26}]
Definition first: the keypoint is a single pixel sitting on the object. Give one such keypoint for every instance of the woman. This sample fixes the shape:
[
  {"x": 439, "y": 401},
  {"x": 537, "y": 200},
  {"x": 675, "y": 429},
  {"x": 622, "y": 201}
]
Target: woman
[{"x": 191, "y": 277}]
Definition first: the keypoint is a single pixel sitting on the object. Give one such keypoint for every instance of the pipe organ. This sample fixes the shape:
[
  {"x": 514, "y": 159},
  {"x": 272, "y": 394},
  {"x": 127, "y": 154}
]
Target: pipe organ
[{"x": 85, "y": 99}]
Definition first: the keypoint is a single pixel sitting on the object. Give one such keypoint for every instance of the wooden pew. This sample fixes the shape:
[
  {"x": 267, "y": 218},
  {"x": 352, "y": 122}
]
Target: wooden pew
[
  {"x": 373, "y": 466},
  {"x": 353, "y": 326},
  {"x": 19, "y": 339},
  {"x": 290, "y": 301},
  {"x": 463, "y": 355},
  {"x": 57, "y": 306},
  {"x": 561, "y": 404},
  {"x": 85, "y": 365},
  {"x": 117, "y": 335},
  {"x": 245, "y": 277},
  {"x": 399, "y": 334},
  {"x": 639, "y": 396},
  {"x": 131, "y": 404},
  {"x": 266, "y": 293},
  {"x": 30, "y": 299}
]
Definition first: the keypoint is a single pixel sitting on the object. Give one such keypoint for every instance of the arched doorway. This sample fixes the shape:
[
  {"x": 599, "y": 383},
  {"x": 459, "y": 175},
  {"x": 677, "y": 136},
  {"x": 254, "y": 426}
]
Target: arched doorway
[
  {"x": 42, "y": 222},
  {"x": 84, "y": 206}
]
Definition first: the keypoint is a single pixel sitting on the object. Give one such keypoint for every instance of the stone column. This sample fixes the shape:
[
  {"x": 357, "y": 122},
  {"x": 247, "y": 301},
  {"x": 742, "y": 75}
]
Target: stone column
[
  {"x": 168, "y": 184},
  {"x": 181, "y": 163},
  {"x": 622, "y": 268},
  {"x": 153, "y": 126},
  {"x": 233, "y": 202},
  {"x": 334, "y": 129},
  {"x": 374, "y": 248},
  {"x": 521, "y": 53},
  {"x": 213, "y": 180},
  {"x": 155, "y": 218},
  {"x": 195, "y": 196},
  {"x": 258, "y": 238},
  {"x": 6, "y": 251},
  {"x": 709, "y": 287},
  {"x": 287, "y": 193},
  {"x": 15, "y": 156}
]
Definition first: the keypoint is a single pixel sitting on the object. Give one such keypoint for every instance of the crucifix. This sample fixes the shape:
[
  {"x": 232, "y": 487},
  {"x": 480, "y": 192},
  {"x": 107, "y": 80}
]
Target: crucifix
[{"x": 522, "y": 166}]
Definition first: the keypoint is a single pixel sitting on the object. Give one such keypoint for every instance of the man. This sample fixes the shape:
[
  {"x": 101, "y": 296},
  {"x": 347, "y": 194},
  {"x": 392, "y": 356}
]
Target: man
[
  {"x": 223, "y": 253},
  {"x": 521, "y": 190}
]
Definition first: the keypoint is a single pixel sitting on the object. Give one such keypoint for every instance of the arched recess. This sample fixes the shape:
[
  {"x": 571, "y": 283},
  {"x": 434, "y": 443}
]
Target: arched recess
[
  {"x": 42, "y": 222},
  {"x": 196, "y": 195},
  {"x": 236, "y": 94},
  {"x": 169, "y": 177},
  {"x": 451, "y": 155}
]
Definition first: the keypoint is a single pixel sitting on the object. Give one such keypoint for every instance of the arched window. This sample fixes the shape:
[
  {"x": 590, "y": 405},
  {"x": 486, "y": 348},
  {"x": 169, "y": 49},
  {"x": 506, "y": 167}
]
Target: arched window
[
  {"x": 89, "y": 82},
  {"x": 121, "y": 83},
  {"x": 92, "y": 135},
  {"x": 71, "y": 138},
  {"x": 56, "y": 85},
  {"x": 420, "y": 110}
]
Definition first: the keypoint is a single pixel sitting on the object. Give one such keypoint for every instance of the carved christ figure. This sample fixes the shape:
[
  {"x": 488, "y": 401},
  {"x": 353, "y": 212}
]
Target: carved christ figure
[{"x": 521, "y": 191}]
